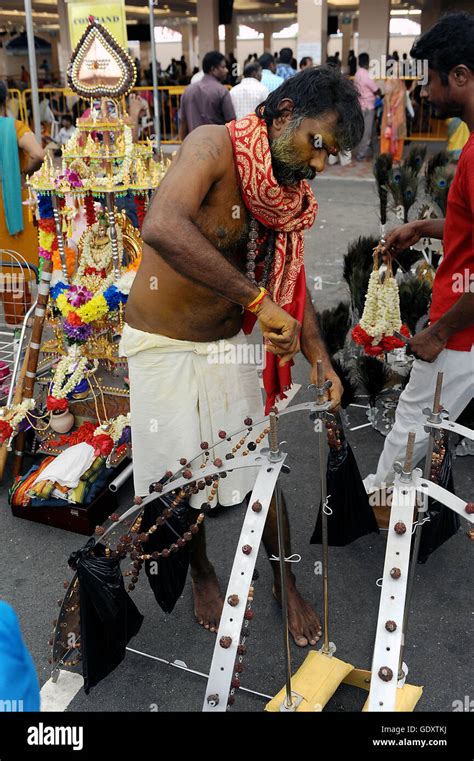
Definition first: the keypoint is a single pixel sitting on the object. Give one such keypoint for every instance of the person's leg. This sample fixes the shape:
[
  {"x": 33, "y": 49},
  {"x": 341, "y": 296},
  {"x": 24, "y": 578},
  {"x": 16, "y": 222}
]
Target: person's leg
[
  {"x": 458, "y": 388},
  {"x": 303, "y": 622},
  {"x": 364, "y": 144},
  {"x": 206, "y": 591}
]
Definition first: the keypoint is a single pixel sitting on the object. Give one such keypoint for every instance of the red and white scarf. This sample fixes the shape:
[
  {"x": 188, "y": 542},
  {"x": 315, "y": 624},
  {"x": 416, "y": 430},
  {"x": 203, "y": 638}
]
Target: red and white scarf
[{"x": 286, "y": 209}]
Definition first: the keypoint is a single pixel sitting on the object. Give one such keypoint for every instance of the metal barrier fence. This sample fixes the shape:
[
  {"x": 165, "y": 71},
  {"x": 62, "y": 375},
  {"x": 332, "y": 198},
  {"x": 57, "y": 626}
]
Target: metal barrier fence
[
  {"x": 56, "y": 102},
  {"x": 15, "y": 104}
]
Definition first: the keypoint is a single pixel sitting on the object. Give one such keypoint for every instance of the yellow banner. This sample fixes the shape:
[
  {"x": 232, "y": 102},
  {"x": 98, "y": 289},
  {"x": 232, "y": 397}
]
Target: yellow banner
[{"x": 109, "y": 14}]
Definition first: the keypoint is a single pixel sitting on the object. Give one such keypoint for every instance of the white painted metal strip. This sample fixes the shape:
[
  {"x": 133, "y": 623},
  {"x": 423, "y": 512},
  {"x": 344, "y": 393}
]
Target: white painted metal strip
[
  {"x": 382, "y": 695},
  {"x": 223, "y": 660},
  {"x": 445, "y": 497},
  {"x": 447, "y": 425}
]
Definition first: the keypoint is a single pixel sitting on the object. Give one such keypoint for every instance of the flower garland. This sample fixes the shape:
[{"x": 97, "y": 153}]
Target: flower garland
[
  {"x": 381, "y": 316},
  {"x": 61, "y": 387},
  {"x": 47, "y": 238},
  {"x": 12, "y": 417},
  {"x": 102, "y": 437},
  {"x": 140, "y": 207},
  {"x": 90, "y": 210}
]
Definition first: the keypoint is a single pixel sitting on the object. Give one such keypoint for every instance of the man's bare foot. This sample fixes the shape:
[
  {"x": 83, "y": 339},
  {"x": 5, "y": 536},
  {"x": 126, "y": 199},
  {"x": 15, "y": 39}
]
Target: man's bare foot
[
  {"x": 303, "y": 622},
  {"x": 208, "y": 601}
]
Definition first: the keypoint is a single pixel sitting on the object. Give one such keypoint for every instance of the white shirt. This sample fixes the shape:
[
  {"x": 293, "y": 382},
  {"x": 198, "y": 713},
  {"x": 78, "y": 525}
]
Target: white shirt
[
  {"x": 64, "y": 134},
  {"x": 271, "y": 80},
  {"x": 196, "y": 77},
  {"x": 247, "y": 96}
]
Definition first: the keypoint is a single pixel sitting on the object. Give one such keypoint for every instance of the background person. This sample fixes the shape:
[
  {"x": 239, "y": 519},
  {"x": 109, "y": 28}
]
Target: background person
[
  {"x": 269, "y": 78},
  {"x": 368, "y": 91},
  {"x": 207, "y": 101},
  {"x": 250, "y": 92},
  {"x": 447, "y": 344},
  {"x": 20, "y": 154}
]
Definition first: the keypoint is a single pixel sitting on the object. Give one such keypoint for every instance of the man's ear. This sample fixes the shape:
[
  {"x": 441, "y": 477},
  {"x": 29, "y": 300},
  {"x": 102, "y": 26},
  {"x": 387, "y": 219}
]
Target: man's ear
[
  {"x": 285, "y": 107},
  {"x": 460, "y": 75}
]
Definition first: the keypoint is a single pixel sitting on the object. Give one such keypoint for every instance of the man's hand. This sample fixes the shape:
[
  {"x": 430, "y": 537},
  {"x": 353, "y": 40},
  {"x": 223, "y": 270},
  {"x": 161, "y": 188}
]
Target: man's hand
[
  {"x": 402, "y": 237},
  {"x": 280, "y": 329},
  {"x": 336, "y": 390},
  {"x": 426, "y": 344}
]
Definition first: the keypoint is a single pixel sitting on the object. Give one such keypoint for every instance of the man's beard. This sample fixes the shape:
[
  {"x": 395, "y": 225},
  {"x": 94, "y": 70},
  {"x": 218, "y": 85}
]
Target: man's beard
[{"x": 288, "y": 170}]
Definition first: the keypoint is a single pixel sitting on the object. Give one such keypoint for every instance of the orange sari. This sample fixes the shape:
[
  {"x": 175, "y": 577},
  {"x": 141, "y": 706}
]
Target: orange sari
[{"x": 26, "y": 242}]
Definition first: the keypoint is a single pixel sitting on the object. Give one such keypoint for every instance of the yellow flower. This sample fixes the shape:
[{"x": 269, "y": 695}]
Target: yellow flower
[
  {"x": 63, "y": 304},
  {"x": 46, "y": 239},
  {"x": 94, "y": 309}
]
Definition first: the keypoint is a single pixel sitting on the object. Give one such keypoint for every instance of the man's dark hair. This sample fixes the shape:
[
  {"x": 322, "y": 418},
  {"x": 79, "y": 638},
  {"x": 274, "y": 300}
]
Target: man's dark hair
[
  {"x": 305, "y": 60},
  {"x": 447, "y": 44},
  {"x": 286, "y": 54},
  {"x": 211, "y": 59},
  {"x": 266, "y": 60},
  {"x": 315, "y": 92},
  {"x": 363, "y": 59},
  {"x": 251, "y": 69},
  {"x": 3, "y": 93}
]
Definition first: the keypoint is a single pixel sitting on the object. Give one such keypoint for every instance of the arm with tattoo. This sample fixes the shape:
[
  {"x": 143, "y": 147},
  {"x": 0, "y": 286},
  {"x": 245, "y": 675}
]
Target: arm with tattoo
[{"x": 169, "y": 226}]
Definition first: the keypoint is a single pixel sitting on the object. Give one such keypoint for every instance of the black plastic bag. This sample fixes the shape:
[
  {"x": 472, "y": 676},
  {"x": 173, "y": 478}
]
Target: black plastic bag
[
  {"x": 167, "y": 576},
  {"x": 443, "y": 522},
  {"x": 352, "y": 516},
  {"x": 109, "y": 618}
]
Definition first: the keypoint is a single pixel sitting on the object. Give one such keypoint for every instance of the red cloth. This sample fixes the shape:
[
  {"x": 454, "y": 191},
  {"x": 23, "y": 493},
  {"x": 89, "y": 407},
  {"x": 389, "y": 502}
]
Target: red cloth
[
  {"x": 452, "y": 277},
  {"x": 286, "y": 209}
]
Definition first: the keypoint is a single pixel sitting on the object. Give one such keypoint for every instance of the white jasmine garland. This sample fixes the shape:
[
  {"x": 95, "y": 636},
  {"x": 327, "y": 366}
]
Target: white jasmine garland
[
  {"x": 381, "y": 315},
  {"x": 114, "y": 428},
  {"x": 61, "y": 388},
  {"x": 17, "y": 412}
]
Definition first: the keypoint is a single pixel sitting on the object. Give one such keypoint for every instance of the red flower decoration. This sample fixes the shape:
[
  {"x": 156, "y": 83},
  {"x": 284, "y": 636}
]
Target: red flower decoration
[
  {"x": 74, "y": 319},
  {"x": 5, "y": 431},
  {"x": 102, "y": 444},
  {"x": 55, "y": 405},
  {"x": 373, "y": 351},
  {"x": 85, "y": 433},
  {"x": 48, "y": 225},
  {"x": 95, "y": 271}
]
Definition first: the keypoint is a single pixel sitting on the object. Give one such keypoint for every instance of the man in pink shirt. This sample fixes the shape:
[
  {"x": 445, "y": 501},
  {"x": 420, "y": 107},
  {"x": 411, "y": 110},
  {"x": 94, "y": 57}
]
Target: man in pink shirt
[{"x": 367, "y": 92}]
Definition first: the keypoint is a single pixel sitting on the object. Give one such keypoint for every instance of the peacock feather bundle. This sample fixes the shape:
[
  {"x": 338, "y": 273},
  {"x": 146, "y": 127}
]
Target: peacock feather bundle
[
  {"x": 415, "y": 158},
  {"x": 439, "y": 187},
  {"x": 415, "y": 296},
  {"x": 403, "y": 185},
  {"x": 334, "y": 326},
  {"x": 382, "y": 169},
  {"x": 372, "y": 375},
  {"x": 345, "y": 376},
  {"x": 358, "y": 264},
  {"x": 438, "y": 159}
]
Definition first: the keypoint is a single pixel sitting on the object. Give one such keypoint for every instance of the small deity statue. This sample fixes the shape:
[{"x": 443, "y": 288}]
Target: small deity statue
[{"x": 95, "y": 269}]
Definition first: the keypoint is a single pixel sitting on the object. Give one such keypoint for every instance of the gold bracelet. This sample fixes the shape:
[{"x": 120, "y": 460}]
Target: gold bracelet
[{"x": 258, "y": 300}]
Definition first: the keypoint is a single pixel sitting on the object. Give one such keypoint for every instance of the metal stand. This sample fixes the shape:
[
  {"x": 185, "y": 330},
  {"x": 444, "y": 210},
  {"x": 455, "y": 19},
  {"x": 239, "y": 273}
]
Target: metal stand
[
  {"x": 59, "y": 234},
  {"x": 433, "y": 416},
  {"x": 110, "y": 200},
  {"x": 328, "y": 648}
]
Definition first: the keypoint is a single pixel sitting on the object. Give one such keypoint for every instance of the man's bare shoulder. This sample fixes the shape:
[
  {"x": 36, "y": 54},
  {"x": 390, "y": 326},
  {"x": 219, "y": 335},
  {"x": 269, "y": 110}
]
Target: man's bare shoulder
[{"x": 211, "y": 142}]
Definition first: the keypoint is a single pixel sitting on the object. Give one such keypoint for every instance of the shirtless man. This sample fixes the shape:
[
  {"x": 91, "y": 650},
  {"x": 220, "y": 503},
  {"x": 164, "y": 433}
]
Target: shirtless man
[{"x": 195, "y": 247}]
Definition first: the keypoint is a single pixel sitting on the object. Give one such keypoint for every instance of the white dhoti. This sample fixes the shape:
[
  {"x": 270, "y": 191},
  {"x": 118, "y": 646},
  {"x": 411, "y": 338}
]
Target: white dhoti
[{"x": 183, "y": 393}]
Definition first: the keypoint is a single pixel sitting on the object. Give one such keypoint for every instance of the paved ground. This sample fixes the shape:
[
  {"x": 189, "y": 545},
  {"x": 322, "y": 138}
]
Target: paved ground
[{"x": 33, "y": 561}]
